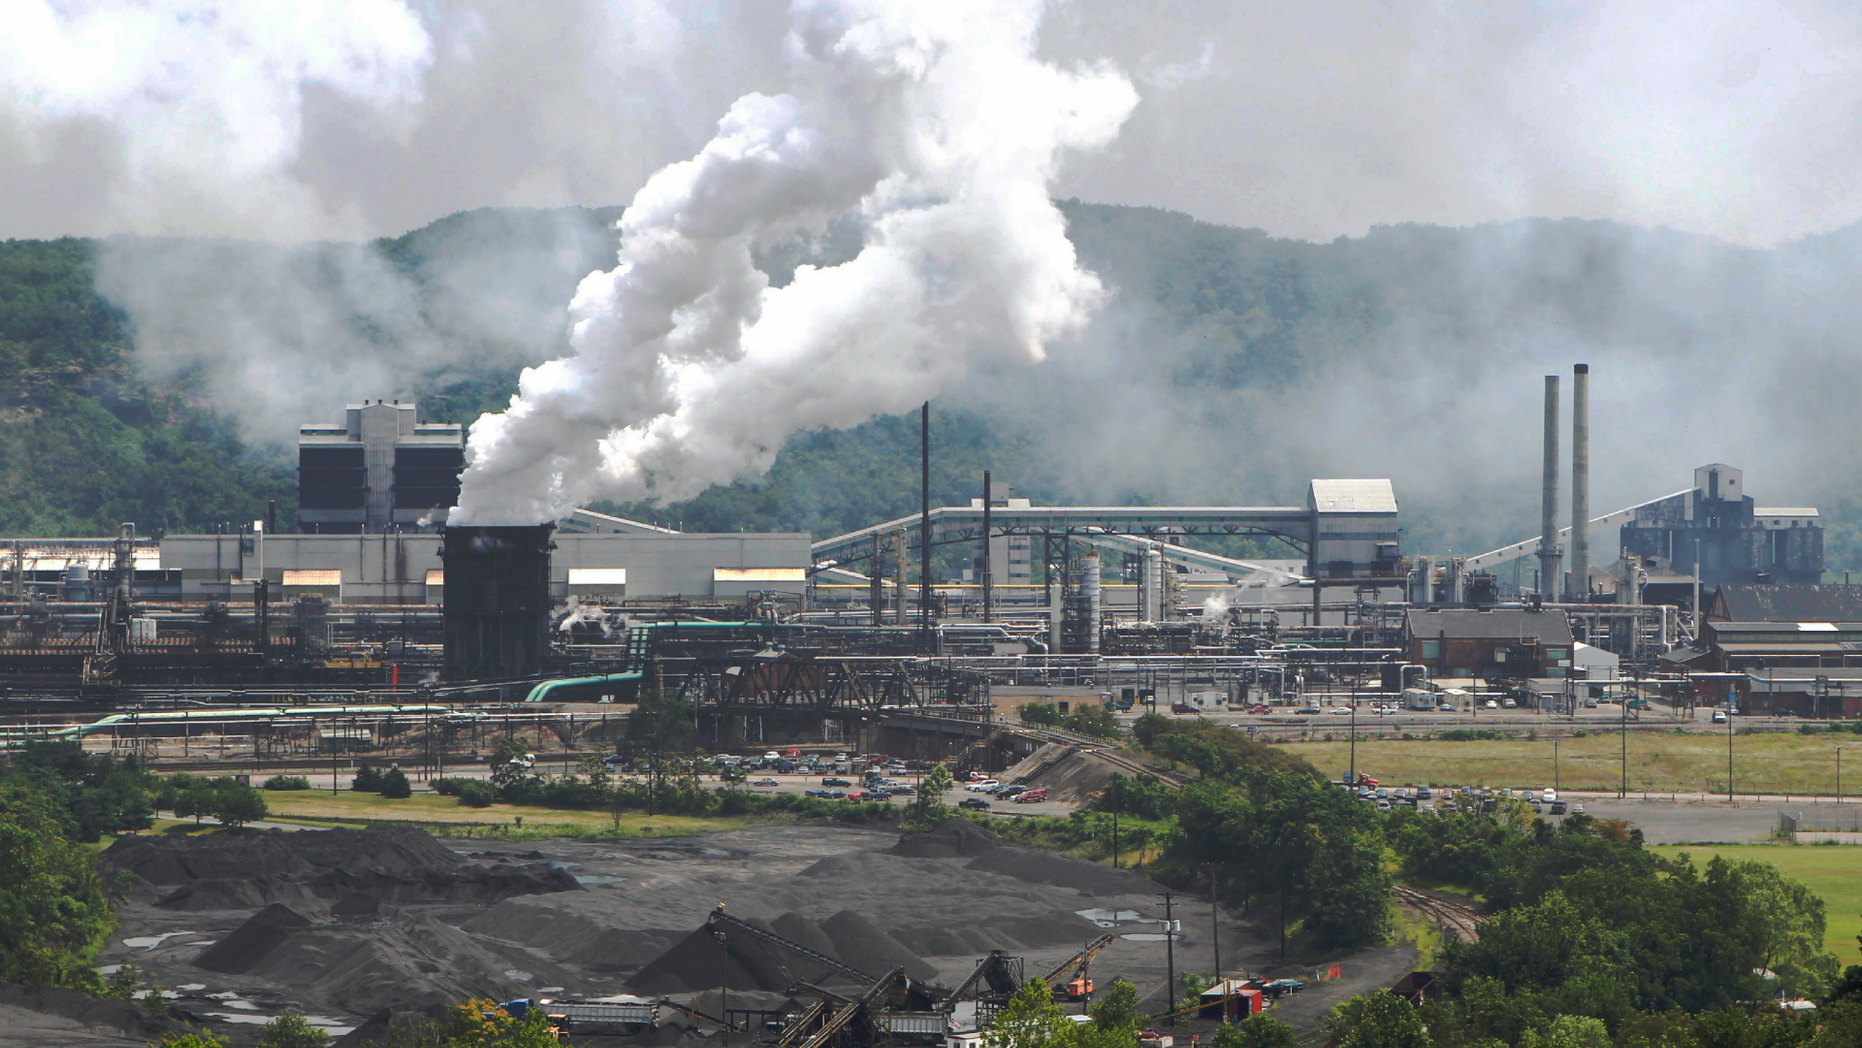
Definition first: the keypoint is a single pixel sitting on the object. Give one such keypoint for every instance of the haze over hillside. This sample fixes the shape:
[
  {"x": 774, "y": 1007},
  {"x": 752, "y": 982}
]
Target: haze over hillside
[{"x": 1228, "y": 366}]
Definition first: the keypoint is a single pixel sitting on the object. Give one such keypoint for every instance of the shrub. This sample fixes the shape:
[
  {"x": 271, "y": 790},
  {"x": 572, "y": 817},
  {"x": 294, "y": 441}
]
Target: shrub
[
  {"x": 394, "y": 784},
  {"x": 476, "y": 793},
  {"x": 368, "y": 779},
  {"x": 448, "y": 785},
  {"x": 287, "y": 782}
]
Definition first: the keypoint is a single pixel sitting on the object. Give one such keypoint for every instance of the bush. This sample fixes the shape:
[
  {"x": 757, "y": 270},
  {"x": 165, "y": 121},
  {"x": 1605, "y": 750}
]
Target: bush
[
  {"x": 287, "y": 782},
  {"x": 236, "y": 805},
  {"x": 368, "y": 779},
  {"x": 448, "y": 785},
  {"x": 394, "y": 784},
  {"x": 476, "y": 793}
]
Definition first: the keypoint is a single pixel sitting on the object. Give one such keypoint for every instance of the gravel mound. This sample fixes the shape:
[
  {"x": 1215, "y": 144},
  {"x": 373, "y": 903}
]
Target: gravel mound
[
  {"x": 308, "y": 869},
  {"x": 239, "y": 952},
  {"x": 1089, "y": 878},
  {"x": 571, "y": 937},
  {"x": 98, "y": 1013},
  {"x": 958, "y": 837}
]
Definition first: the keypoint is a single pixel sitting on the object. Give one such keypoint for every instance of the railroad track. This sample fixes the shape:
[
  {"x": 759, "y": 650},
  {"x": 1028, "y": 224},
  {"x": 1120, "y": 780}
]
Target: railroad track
[
  {"x": 1455, "y": 919},
  {"x": 1135, "y": 767}
]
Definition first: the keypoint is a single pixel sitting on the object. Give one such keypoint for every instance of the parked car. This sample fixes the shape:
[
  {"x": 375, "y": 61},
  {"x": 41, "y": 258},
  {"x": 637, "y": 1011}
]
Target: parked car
[
  {"x": 974, "y": 804},
  {"x": 1307, "y": 711},
  {"x": 1182, "y": 707},
  {"x": 823, "y": 794},
  {"x": 1577, "y": 809},
  {"x": 901, "y": 789},
  {"x": 1029, "y": 796},
  {"x": 1719, "y": 716},
  {"x": 1383, "y": 805},
  {"x": 1508, "y": 703},
  {"x": 1342, "y": 711},
  {"x": 1491, "y": 705},
  {"x": 981, "y": 785},
  {"x": 1007, "y": 790},
  {"x": 1260, "y": 708},
  {"x": 1558, "y": 807}
]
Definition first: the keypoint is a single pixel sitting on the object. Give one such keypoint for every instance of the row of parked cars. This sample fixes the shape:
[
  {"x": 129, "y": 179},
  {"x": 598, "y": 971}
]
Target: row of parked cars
[
  {"x": 1458, "y": 798},
  {"x": 1001, "y": 790}
]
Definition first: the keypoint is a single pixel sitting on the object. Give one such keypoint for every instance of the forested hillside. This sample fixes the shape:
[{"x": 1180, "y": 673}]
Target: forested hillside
[{"x": 161, "y": 381}]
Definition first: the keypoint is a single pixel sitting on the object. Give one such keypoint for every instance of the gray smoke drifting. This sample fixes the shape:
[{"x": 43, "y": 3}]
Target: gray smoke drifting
[{"x": 936, "y": 123}]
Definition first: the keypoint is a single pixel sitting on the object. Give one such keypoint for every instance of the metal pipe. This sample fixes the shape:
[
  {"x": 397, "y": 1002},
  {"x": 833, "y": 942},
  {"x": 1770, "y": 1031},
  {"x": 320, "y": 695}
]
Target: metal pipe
[
  {"x": 1580, "y": 482},
  {"x": 924, "y": 521},
  {"x": 988, "y": 579},
  {"x": 1548, "y": 496}
]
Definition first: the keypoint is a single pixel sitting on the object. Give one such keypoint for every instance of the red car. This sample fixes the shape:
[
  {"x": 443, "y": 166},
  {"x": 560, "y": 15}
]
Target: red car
[
  {"x": 1260, "y": 708},
  {"x": 1029, "y": 796}
]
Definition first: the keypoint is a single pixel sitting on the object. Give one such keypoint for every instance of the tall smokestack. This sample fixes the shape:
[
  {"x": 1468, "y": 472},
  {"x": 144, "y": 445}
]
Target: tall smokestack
[
  {"x": 1548, "y": 499},
  {"x": 1580, "y": 481}
]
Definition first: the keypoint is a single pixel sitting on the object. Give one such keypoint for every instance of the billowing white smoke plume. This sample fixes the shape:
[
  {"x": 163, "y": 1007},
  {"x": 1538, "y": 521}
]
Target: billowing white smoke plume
[
  {"x": 202, "y": 100},
  {"x": 931, "y": 119}
]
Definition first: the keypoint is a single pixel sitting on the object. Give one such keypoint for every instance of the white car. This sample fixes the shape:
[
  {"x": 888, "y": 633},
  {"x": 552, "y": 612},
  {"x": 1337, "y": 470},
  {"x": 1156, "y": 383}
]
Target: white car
[
  {"x": 1492, "y": 705},
  {"x": 981, "y": 785},
  {"x": 1549, "y": 795},
  {"x": 1719, "y": 716},
  {"x": 766, "y": 781},
  {"x": 1342, "y": 711}
]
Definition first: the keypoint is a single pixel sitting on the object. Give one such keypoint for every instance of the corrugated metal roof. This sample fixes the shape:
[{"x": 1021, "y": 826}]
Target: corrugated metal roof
[
  {"x": 1353, "y": 496},
  {"x": 1777, "y": 603},
  {"x": 1547, "y": 627}
]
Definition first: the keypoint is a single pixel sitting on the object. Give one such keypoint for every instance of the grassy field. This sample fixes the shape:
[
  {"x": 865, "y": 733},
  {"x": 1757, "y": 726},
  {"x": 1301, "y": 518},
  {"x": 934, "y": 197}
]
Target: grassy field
[
  {"x": 447, "y": 815},
  {"x": 1664, "y": 762},
  {"x": 1835, "y": 873}
]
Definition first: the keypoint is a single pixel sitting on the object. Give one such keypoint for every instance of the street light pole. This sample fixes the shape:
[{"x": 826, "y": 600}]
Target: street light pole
[
  {"x": 1839, "y": 773},
  {"x": 1354, "y": 742},
  {"x": 1556, "y": 784},
  {"x": 1729, "y": 760}
]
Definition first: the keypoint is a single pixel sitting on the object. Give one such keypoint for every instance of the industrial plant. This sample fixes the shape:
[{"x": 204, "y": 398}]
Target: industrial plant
[{"x": 902, "y": 635}]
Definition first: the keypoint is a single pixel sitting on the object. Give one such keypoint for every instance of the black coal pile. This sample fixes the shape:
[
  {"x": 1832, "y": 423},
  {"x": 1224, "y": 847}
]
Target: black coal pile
[
  {"x": 253, "y": 941},
  {"x": 307, "y": 869},
  {"x": 958, "y": 837}
]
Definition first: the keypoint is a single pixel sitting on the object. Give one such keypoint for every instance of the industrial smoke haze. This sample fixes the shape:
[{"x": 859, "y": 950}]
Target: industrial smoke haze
[
  {"x": 194, "y": 109},
  {"x": 935, "y": 123}
]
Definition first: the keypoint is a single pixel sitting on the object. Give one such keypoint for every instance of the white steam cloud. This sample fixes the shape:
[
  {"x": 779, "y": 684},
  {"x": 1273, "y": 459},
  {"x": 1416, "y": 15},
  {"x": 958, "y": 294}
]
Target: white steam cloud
[
  {"x": 203, "y": 100},
  {"x": 935, "y": 123}
]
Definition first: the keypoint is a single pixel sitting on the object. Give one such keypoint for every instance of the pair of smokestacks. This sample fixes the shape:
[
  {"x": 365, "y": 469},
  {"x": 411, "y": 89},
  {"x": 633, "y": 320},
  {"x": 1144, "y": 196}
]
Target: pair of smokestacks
[{"x": 1577, "y": 585}]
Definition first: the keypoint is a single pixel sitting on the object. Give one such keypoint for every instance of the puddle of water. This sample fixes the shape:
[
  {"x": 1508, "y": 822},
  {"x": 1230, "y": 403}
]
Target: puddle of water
[
  {"x": 240, "y": 1017},
  {"x": 1150, "y": 937},
  {"x": 191, "y": 987},
  {"x": 150, "y": 942},
  {"x": 1101, "y": 916},
  {"x": 520, "y": 976},
  {"x": 549, "y": 989},
  {"x": 558, "y": 864},
  {"x": 109, "y": 970},
  {"x": 592, "y": 878}
]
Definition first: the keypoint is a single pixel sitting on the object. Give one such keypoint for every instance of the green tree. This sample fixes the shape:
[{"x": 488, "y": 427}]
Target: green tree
[
  {"x": 54, "y": 915},
  {"x": 394, "y": 784},
  {"x": 1255, "y": 1031},
  {"x": 1376, "y": 1020},
  {"x": 1030, "y": 1019},
  {"x": 196, "y": 1039},
  {"x": 1118, "y": 1008},
  {"x": 1569, "y": 1031},
  {"x": 508, "y": 761},
  {"x": 292, "y": 1030},
  {"x": 928, "y": 808},
  {"x": 235, "y": 804}
]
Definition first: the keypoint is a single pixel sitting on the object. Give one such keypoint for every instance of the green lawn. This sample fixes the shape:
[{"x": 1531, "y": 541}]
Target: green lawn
[
  {"x": 1835, "y": 873},
  {"x": 502, "y": 819},
  {"x": 1659, "y": 762}
]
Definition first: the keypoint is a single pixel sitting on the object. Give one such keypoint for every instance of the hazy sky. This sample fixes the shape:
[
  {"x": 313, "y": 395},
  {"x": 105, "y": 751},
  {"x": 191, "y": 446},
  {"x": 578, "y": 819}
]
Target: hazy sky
[{"x": 336, "y": 118}]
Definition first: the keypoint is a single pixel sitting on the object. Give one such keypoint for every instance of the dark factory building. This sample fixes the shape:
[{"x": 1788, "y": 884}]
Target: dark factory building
[
  {"x": 1735, "y": 540},
  {"x": 1489, "y": 642},
  {"x": 497, "y": 611},
  {"x": 380, "y": 470}
]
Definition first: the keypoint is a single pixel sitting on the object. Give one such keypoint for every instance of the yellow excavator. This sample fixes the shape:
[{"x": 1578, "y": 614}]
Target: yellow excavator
[{"x": 1070, "y": 980}]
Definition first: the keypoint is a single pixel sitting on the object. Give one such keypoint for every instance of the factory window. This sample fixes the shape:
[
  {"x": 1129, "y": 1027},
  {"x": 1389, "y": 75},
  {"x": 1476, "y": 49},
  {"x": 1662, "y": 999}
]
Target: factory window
[
  {"x": 1554, "y": 653},
  {"x": 1431, "y": 649}
]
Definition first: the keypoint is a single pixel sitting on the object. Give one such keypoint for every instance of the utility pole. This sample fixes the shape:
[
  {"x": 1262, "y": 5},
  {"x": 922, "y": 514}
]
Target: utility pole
[
  {"x": 1622, "y": 708},
  {"x": 1354, "y": 740},
  {"x": 1839, "y": 772},
  {"x": 1215, "y": 937},
  {"x": 1556, "y": 784},
  {"x": 1170, "y": 962},
  {"x": 1729, "y": 759}
]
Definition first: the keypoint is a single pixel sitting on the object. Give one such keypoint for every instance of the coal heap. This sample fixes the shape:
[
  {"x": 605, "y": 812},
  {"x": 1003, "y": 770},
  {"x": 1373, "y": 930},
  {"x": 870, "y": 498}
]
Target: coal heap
[
  {"x": 309, "y": 868},
  {"x": 252, "y": 941}
]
